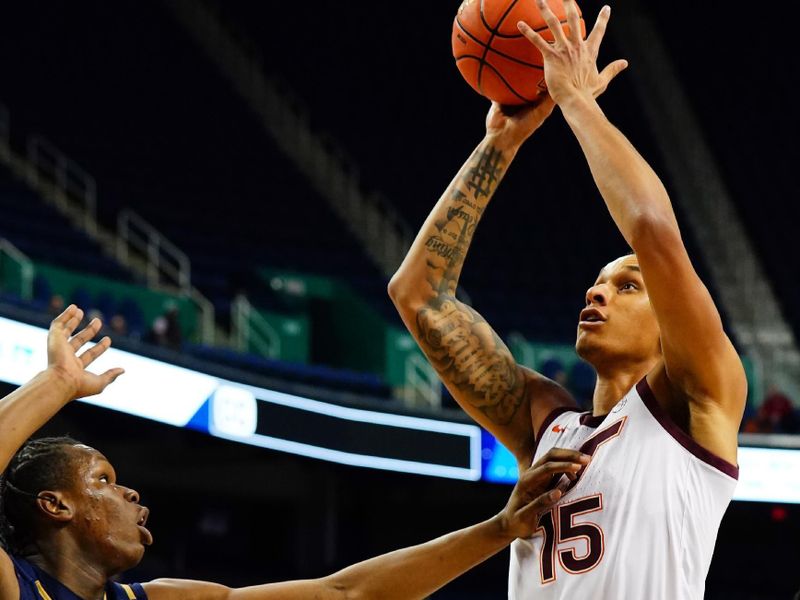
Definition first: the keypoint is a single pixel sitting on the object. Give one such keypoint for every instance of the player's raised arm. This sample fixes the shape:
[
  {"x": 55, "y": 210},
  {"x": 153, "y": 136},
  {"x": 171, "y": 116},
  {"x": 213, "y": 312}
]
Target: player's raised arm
[
  {"x": 410, "y": 573},
  {"x": 469, "y": 356},
  {"x": 700, "y": 364},
  {"x": 32, "y": 405},
  {"x": 29, "y": 407}
]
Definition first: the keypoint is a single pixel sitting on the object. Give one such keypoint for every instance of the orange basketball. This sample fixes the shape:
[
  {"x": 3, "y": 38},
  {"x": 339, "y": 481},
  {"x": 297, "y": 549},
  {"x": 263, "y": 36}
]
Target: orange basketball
[{"x": 494, "y": 57}]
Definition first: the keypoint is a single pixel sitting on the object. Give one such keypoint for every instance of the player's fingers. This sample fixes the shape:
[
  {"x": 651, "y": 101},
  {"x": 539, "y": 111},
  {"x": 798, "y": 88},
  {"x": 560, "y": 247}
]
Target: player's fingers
[
  {"x": 86, "y": 334},
  {"x": 530, "y": 511},
  {"x": 553, "y": 24},
  {"x": 547, "y": 475},
  {"x": 65, "y": 315},
  {"x": 110, "y": 376},
  {"x": 534, "y": 38},
  {"x": 92, "y": 353},
  {"x": 598, "y": 31},
  {"x": 574, "y": 20},
  {"x": 547, "y": 470},
  {"x": 68, "y": 320},
  {"x": 611, "y": 71},
  {"x": 564, "y": 454}
]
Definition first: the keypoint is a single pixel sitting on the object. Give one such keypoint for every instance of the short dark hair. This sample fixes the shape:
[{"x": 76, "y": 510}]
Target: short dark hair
[{"x": 41, "y": 464}]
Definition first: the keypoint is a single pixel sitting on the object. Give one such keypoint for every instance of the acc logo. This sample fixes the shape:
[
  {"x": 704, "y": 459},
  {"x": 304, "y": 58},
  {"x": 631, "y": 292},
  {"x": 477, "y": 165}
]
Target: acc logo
[
  {"x": 558, "y": 429},
  {"x": 620, "y": 405}
]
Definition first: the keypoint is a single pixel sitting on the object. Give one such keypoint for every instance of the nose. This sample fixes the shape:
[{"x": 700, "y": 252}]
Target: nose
[
  {"x": 131, "y": 496},
  {"x": 596, "y": 295}
]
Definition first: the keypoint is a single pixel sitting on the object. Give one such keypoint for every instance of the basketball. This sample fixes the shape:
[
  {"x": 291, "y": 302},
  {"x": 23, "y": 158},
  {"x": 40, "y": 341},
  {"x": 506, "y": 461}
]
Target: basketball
[{"x": 494, "y": 57}]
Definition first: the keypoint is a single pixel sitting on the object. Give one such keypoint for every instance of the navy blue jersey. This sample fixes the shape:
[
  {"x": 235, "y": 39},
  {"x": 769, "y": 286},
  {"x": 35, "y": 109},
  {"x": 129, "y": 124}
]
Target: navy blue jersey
[{"x": 35, "y": 584}]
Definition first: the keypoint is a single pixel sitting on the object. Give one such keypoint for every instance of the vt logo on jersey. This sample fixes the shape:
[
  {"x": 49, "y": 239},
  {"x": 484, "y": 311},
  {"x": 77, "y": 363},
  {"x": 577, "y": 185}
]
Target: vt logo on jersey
[{"x": 558, "y": 525}]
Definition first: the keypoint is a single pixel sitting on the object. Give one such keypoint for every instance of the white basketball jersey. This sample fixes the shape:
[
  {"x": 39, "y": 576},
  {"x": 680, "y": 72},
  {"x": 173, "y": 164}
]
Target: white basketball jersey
[{"x": 642, "y": 519}]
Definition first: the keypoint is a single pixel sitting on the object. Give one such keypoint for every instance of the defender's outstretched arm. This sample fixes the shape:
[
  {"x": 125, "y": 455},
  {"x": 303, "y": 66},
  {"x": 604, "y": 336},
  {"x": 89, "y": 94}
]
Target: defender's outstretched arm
[{"x": 411, "y": 573}]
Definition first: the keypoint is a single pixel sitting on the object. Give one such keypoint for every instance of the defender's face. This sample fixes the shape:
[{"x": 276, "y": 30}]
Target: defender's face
[
  {"x": 618, "y": 322},
  {"x": 108, "y": 517}
]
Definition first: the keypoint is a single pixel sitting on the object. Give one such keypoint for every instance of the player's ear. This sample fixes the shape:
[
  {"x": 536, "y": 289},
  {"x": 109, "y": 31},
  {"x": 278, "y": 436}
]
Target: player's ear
[{"x": 55, "y": 506}]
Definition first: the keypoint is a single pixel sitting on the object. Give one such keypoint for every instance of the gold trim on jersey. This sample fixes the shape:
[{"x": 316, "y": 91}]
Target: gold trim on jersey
[{"x": 46, "y": 596}]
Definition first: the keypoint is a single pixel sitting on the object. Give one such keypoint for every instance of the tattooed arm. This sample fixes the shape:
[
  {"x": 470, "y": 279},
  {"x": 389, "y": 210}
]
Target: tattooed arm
[{"x": 469, "y": 356}]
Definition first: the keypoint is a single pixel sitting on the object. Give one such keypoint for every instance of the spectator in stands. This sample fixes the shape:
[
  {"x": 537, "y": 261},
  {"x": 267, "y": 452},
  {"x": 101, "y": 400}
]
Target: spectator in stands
[
  {"x": 56, "y": 305},
  {"x": 118, "y": 325},
  {"x": 776, "y": 415},
  {"x": 166, "y": 330}
]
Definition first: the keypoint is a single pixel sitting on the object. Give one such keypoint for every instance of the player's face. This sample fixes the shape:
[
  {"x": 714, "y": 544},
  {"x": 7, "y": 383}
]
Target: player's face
[
  {"x": 107, "y": 516},
  {"x": 618, "y": 325}
]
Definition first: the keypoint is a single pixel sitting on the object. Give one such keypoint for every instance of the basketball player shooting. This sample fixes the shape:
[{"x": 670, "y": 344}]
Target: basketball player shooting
[
  {"x": 67, "y": 526},
  {"x": 641, "y": 519}
]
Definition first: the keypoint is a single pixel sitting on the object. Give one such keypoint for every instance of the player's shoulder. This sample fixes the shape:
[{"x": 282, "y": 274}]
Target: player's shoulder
[
  {"x": 9, "y": 585},
  {"x": 547, "y": 399}
]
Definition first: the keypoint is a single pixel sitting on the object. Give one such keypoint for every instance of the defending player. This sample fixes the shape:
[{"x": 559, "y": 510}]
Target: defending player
[
  {"x": 641, "y": 520},
  {"x": 70, "y": 526}
]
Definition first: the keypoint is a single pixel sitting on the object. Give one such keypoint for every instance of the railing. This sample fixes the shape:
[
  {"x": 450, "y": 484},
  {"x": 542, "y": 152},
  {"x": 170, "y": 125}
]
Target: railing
[
  {"x": 250, "y": 329},
  {"x": 26, "y": 269},
  {"x": 166, "y": 263},
  {"x": 76, "y": 186},
  {"x": 422, "y": 383},
  {"x": 207, "y": 319}
]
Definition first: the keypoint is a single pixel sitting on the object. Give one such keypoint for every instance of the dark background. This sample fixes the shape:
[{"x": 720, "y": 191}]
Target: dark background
[{"x": 122, "y": 88}]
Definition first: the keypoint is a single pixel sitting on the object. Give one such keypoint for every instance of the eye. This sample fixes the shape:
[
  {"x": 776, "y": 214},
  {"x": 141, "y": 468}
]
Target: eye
[
  {"x": 630, "y": 285},
  {"x": 104, "y": 478}
]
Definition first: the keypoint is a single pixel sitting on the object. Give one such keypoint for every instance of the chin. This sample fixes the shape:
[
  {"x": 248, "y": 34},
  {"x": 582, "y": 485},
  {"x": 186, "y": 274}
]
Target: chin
[
  {"x": 588, "y": 349},
  {"x": 134, "y": 558}
]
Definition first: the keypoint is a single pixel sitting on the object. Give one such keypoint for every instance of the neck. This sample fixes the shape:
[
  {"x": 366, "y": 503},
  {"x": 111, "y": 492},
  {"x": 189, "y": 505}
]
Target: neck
[
  {"x": 68, "y": 565},
  {"x": 612, "y": 385}
]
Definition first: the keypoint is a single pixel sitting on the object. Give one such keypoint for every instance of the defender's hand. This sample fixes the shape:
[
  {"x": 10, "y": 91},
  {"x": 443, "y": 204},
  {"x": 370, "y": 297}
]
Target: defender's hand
[
  {"x": 515, "y": 124},
  {"x": 532, "y": 494},
  {"x": 570, "y": 63},
  {"x": 63, "y": 358}
]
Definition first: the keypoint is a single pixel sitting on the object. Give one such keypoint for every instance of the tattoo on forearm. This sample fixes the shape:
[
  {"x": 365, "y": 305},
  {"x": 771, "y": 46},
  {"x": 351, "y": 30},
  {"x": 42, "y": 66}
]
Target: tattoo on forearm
[
  {"x": 466, "y": 203},
  {"x": 441, "y": 247},
  {"x": 483, "y": 177},
  {"x": 460, "y": 344},
  {"x": 468, "y": 354}
]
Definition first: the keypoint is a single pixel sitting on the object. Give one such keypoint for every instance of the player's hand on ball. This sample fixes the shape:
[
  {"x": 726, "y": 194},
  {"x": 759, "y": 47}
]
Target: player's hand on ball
[
  {"x": 533, "y": 493},
  {"x": 570, "y": 63},
  {"x": 514, "y": 124}
]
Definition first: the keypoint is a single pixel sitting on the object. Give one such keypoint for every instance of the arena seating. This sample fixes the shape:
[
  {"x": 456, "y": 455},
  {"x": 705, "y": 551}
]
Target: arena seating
[
  {"x": 758, "y": 166},
  {"x": 547, "y": 234},
  {"x": 212, "y": 162},
  {"x": 44, "y": 234},
  {"x": 209, "y": 160}
]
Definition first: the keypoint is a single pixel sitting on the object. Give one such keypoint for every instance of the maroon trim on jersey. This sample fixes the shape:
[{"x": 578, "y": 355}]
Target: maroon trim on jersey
[
  {"x": 681, "y": 436},
  {"x": 548, "y": 420},
  {"x": 590, "y": 420}
]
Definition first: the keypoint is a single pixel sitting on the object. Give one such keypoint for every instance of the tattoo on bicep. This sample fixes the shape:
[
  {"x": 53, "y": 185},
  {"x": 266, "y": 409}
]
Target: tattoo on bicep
[{"x": 468, "y": 354}]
